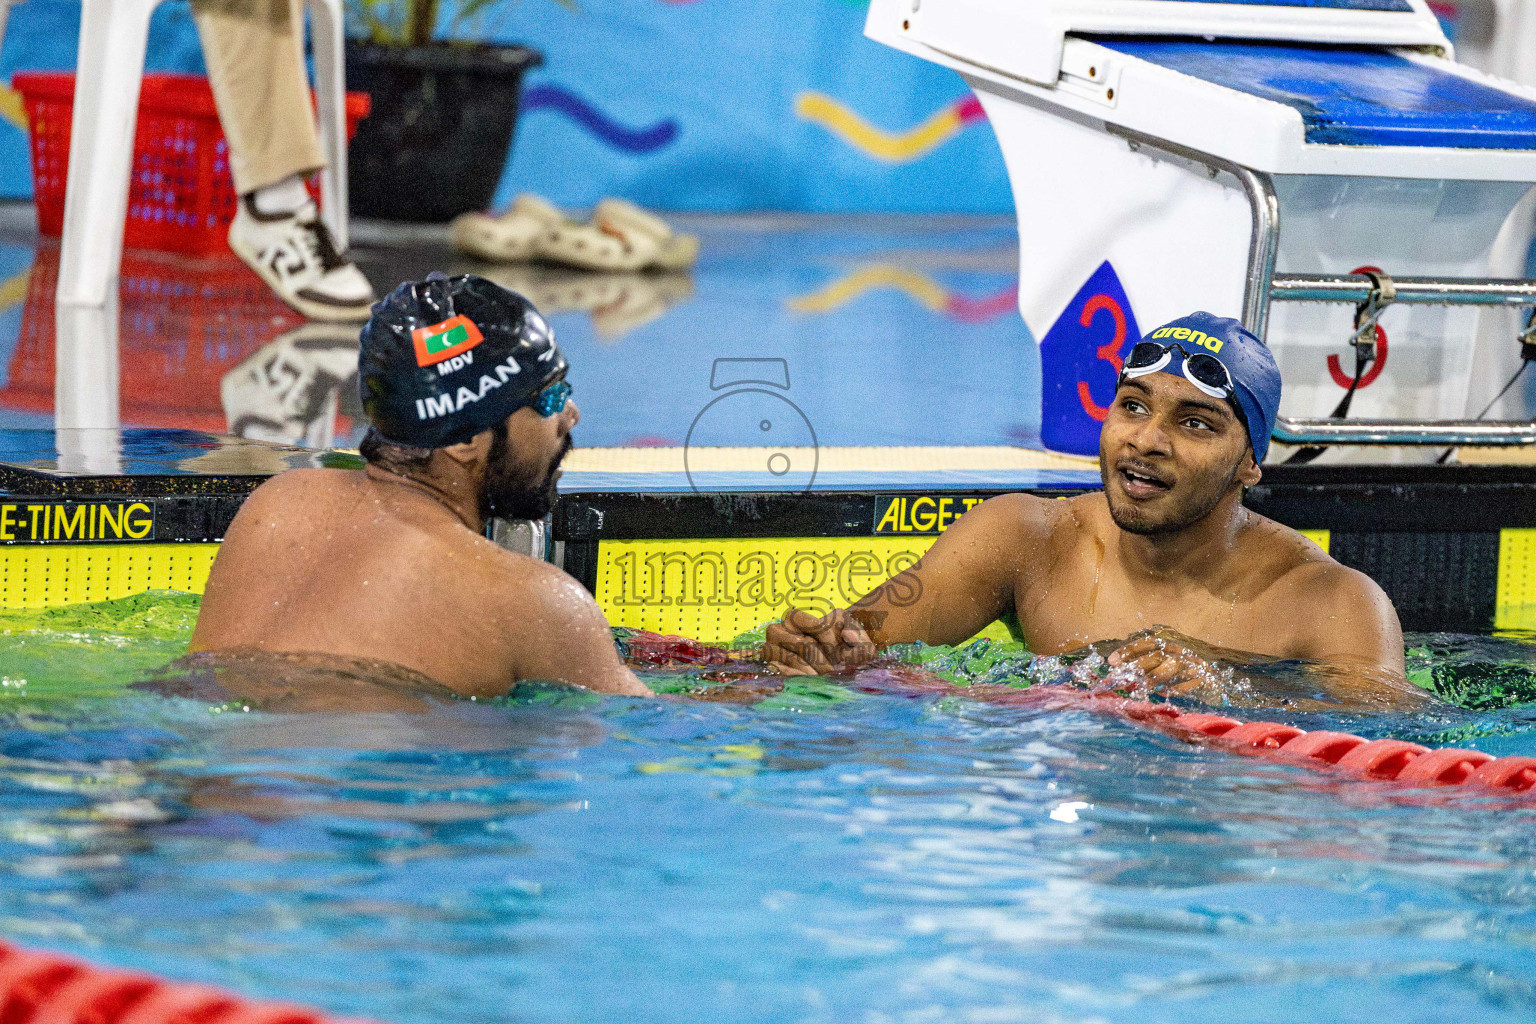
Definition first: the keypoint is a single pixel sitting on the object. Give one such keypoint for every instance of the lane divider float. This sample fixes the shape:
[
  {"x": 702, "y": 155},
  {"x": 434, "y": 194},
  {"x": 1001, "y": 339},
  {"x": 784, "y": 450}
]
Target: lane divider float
[
  {"x": 1384, "y": 760},
  {"x": 48, "y": 988}
]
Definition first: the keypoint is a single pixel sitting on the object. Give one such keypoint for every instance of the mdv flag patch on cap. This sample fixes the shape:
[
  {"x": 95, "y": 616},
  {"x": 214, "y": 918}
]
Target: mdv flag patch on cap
[{"x": 442, "y": 341}]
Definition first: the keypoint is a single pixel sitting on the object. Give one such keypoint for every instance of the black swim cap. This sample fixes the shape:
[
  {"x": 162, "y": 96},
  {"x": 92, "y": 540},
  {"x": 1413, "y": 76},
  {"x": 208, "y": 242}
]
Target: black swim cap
[{"x": 448, "y": 357}]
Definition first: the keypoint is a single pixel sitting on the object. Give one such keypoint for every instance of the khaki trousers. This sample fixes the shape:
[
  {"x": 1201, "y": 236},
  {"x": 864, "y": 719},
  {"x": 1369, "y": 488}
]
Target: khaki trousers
[{"x": 255, "y": 55}]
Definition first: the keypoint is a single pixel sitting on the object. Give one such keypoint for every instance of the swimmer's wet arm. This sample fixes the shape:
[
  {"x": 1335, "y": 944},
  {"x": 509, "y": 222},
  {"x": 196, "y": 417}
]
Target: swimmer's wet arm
[
  {"x": 569, "y": 640},
  {"x": 964, "y": 582}
]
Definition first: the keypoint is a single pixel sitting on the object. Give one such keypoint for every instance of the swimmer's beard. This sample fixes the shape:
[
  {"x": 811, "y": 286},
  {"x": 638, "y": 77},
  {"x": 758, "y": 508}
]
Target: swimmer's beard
[
  {"x": 1204, "y": 496},
  {"x": 507, "y": 495}
]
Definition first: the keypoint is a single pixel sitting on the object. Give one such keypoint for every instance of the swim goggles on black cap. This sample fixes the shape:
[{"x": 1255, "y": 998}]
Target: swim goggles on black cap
[
  {"x": 551, "y": 401},
  {"x": 1205, "y": 372}
]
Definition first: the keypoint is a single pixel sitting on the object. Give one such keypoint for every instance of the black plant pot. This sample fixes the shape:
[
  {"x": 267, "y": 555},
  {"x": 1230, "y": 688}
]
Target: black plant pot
[{"x": 441, "y": 126}]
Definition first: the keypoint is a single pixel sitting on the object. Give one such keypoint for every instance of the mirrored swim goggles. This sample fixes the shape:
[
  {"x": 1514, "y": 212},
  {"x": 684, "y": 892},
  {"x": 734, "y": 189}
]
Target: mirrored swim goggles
[
  {"x": 551, "y": 401},
  {"x": 1205, "y": 372}
]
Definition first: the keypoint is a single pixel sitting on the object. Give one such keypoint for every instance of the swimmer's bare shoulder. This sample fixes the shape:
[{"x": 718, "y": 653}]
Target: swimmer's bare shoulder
[
  {"x": 295, "y": 564},
  {"x": 559, "y": 632},
  {"x": 1327, "y": 611},
  {"x": 1035, "y": 528},
  {"x": 291, "y": 498}
]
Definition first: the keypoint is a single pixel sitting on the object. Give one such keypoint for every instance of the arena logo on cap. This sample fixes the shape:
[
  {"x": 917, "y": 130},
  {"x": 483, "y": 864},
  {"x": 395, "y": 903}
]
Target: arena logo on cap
[
  {"x": 442, "y": 341},
  {"x": 1189, "y": 334}
]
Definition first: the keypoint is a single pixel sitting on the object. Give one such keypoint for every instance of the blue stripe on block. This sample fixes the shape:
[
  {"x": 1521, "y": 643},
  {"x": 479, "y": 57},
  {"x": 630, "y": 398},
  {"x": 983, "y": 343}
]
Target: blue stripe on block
[{"x": 1354, "y": 97}]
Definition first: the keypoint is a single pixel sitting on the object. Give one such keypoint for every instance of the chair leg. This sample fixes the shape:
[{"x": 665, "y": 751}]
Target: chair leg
[
  {"x": 85, "y": 373},
  {"x": 113, "y": 35},
  {"x": 5, "y": 10},
  {"x": 331, "y": 95}
]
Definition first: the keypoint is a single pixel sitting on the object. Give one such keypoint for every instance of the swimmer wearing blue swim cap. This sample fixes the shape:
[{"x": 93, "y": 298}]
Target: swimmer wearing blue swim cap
[
  {"x": 1164, "y": 571},
  {"x": 1226, "y": 365},
  {"x": 470, "y": 414}
]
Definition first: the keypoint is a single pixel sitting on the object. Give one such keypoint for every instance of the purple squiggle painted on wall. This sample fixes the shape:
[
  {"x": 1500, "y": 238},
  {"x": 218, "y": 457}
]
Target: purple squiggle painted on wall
[{"x": 630, "y": 140}]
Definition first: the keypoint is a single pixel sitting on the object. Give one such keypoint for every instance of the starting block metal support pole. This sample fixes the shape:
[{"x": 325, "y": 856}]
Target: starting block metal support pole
[{"x": 1264, "y": 285}]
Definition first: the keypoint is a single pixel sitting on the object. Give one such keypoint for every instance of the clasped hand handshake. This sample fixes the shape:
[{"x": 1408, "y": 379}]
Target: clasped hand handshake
[{"x": 809, "y": 645}]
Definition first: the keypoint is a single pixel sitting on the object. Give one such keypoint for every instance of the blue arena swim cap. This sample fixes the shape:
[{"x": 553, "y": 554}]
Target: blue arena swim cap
[
  {"x": 1255, "y": 377},
  {"x": 448, "y": 357}
]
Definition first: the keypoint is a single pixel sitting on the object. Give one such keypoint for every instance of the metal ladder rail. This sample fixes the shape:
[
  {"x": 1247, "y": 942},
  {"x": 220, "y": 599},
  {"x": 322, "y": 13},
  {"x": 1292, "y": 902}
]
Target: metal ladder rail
[{"x": 1263, "y": 285}]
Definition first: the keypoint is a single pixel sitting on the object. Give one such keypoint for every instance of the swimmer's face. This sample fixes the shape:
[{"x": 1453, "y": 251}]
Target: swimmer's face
[
  {"x": 523, "y": 466},
  {"x": 1169, "y": 454}
]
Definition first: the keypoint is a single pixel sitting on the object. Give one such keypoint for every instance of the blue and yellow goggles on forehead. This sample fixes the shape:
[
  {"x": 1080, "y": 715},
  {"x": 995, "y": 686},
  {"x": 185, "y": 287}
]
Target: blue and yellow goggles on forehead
[{"x": 1222, "y": 358}]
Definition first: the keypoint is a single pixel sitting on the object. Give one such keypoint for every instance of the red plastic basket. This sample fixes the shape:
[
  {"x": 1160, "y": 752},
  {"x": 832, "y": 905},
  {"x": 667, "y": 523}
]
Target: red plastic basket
[
  {"x": 183, "y": 325},
  {"x": 180, "y": 195}
]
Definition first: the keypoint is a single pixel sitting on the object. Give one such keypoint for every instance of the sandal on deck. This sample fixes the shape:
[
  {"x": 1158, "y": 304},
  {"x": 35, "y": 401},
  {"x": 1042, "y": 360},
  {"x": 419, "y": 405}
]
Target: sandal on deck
[
  {"x": 620, "y": 237},
  {"x": 624, "y": 219},
  {"x": 509, "y": 238}
]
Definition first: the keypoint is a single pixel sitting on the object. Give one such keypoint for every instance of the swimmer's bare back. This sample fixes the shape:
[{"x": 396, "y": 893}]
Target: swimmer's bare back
[{"x": 355, "y": 563}]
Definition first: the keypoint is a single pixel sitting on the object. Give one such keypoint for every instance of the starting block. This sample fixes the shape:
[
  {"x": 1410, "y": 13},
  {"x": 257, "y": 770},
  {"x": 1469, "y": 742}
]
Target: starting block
[{"x": 1321, "y": 169}]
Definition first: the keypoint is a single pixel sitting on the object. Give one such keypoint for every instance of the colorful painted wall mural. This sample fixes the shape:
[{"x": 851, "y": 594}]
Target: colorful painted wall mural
[{"x": 676, "y": 104}]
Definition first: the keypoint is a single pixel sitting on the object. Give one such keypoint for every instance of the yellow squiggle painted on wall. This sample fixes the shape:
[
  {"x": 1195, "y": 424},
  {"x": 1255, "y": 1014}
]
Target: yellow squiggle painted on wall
[
  {"x": 14, "y": 290},
  {"x": 881, "y": 275},
  {"x": 889, "y": 146},
  {"x": 11, "y": 107}
]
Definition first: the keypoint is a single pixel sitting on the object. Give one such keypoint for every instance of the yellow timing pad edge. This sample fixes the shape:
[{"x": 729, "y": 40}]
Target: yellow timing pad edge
[
  {"x": 1515, "y": 600},
  {"x": 715, "y": 590},
  {"x": 45, "y": 575},
  {"x": 712, "y": 590}
]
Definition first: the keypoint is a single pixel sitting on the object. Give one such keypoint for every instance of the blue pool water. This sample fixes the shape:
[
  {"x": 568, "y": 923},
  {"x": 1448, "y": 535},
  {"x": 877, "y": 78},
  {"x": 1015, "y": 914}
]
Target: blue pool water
[{"x": 824, "y": 855}]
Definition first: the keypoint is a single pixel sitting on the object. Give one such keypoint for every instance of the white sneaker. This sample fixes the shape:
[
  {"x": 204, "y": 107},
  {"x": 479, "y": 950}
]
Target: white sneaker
[
  {"x": 288, "y": 391},
  {"x": 295, "y": 254}
]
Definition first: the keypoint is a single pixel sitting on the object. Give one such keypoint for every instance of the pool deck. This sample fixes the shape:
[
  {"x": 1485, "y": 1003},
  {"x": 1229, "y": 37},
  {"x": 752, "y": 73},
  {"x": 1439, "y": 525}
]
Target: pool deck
[
  {"x": 906, "y": 362},
  {"x": 819, "y": 395}
]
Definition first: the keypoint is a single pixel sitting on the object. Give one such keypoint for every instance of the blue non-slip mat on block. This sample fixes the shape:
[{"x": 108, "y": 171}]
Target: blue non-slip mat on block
[
  {"x": 1354, "y": 96},
  {"x": 1337, "y": 5}
]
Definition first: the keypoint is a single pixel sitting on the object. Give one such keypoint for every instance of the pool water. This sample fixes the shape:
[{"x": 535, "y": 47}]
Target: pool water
[{"x": 820, "y": 853}]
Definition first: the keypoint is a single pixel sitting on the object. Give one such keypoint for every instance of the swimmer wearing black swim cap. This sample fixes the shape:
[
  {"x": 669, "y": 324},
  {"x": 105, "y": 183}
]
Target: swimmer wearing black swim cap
[
  {"x": 1164, "y": 569},
  {"x": 470, "y": 414},
  {"x": 447, "y": 358}
]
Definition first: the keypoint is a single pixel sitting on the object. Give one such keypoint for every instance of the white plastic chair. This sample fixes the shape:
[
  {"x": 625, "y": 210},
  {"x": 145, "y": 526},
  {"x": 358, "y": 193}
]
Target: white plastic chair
[{"x": 113, "y": 36}]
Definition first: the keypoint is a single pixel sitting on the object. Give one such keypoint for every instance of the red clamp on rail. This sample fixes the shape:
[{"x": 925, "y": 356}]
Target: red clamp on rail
[{"x": 45, "y": 988}]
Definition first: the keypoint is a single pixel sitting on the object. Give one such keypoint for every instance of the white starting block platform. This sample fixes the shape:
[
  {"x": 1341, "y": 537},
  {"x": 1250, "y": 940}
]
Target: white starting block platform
[{"x": 1248, "y": 159}]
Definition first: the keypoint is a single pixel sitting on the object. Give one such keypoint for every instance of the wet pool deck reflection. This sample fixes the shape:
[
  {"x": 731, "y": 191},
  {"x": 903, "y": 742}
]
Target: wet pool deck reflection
[
  {"x": 888, "y": 333},
  {"x": 876, "y": 350}
]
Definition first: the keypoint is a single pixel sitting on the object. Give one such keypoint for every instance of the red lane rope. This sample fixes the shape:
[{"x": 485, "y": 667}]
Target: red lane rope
[
  {"x": 1395, "y": 761},
  {"x": 46, "y": 988},
  {"x": 1383, "y": 760}
]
